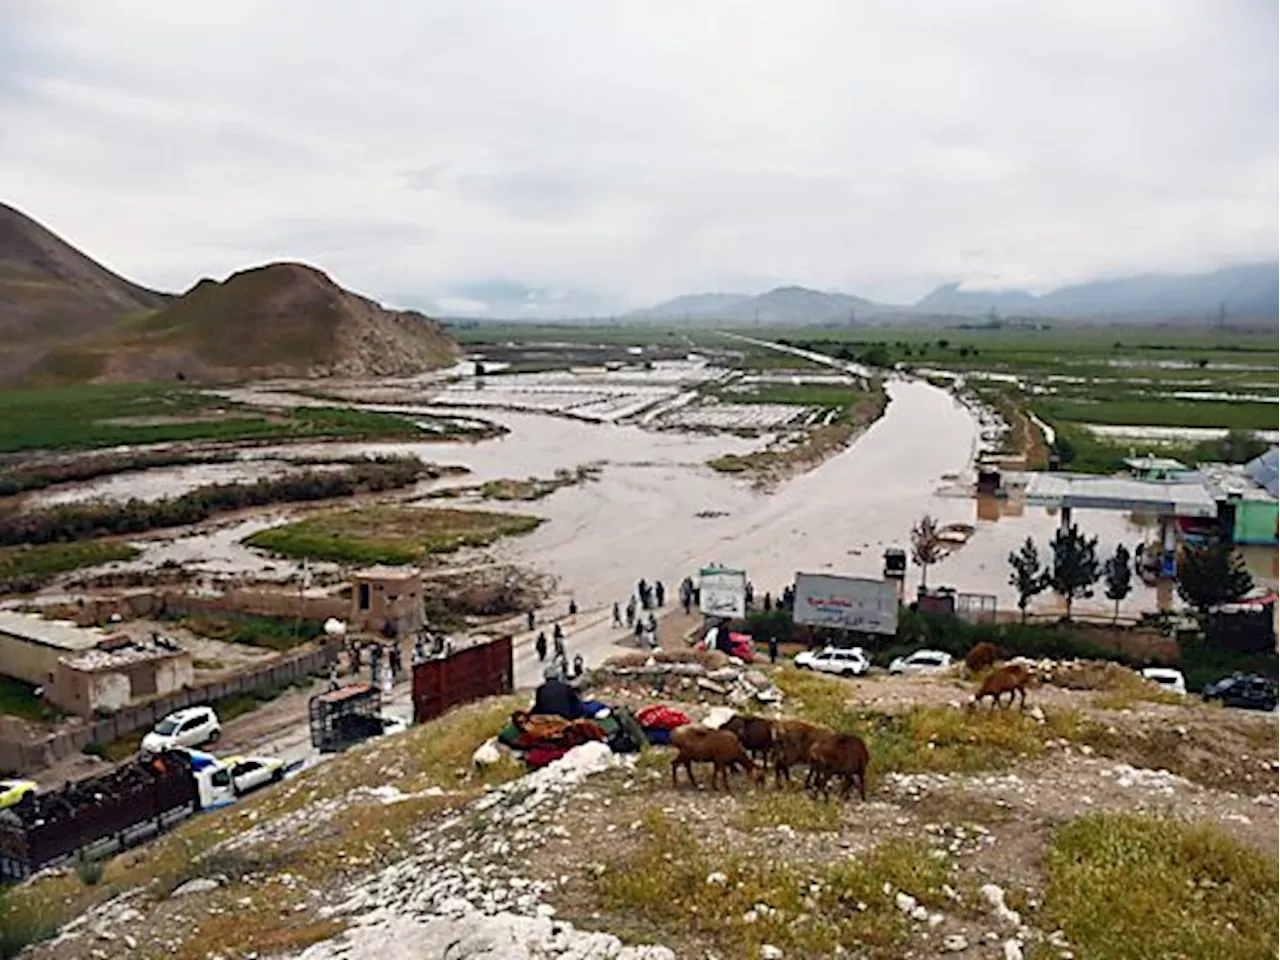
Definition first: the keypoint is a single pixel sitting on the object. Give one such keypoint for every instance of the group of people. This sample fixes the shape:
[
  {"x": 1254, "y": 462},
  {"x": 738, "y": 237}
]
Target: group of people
[{"x": 385, "y": 662}]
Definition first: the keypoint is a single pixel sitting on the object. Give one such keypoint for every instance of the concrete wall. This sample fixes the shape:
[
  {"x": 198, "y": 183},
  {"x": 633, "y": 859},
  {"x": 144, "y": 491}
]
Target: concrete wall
[
  {"x": 32, "y": 662},
  {"x": 108, "y": 691},
  {"x": 83, "y": 692}
]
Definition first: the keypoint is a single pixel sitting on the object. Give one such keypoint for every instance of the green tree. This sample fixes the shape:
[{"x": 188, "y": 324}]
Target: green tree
[
  {"x": 926, "y": 546},
  {"x": 1212, "y": 575},
  {"x": 1075, "y": 565},
  {"x": 876, "y": 355},
  {"x": 1240, "y": 446},
  {"x": 1118, "y": 575},
  {"x": 1028, "y": 577}
]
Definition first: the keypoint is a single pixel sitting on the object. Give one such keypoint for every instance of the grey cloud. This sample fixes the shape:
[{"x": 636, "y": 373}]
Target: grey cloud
[{"x": 629, "y": 152}]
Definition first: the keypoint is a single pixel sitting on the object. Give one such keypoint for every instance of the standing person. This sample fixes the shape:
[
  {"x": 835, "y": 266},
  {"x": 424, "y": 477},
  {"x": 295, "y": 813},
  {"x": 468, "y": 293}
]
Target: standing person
[
  {"x": 617, "y": 614},
  {"x": 659, "y": 592},
  {"x": 773, "y": 649},
  {"x": 557, "y": 640},
  {"x": 768, "y": 603},
  {"x": 686, "y": 594},
  {"x": 419, "y": 650},
  {"x": 375, "y": 663},
  {"x": 642, "y": 588},
  {"x": 531, "y": 620},
  {"x": 639, "y": 628},
  {"x": 647, "y": 638},
  {"x": 333, "y": 677},
  {"x": 396, "y": 663},
  {"x": 750, "y": 594},
  {"x": 573, "y": 607},
  {"x": 631, "y": 611},
  {"x": 355, "y": 660},
  {"x": 579, "y": 665},
  {"x": 540, "y": 645}
]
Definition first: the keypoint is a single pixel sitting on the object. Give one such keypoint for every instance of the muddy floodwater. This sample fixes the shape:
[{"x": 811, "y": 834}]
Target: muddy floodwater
[{"x": 657, "y": 510}]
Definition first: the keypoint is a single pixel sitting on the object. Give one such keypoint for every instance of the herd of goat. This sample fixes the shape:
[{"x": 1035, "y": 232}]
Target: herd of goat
[{"x": 749, "y": 743}]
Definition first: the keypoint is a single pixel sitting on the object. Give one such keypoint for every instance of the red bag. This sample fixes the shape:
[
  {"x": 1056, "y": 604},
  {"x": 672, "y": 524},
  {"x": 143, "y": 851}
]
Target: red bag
[
  {"x": 658, "y": 717},
  {"x": 541, "y": 755}
]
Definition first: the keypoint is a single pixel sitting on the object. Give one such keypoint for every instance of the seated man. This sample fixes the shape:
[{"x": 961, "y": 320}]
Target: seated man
[{"x": 556, "y": 697}]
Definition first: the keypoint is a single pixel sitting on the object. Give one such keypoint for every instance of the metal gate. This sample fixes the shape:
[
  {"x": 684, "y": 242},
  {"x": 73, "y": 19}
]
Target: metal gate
[{"x": 442, "y": 683}]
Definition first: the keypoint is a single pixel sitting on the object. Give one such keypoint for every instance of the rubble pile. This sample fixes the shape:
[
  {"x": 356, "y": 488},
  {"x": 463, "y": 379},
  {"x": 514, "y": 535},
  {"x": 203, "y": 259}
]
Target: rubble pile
[{"x": 710, "y": 676}]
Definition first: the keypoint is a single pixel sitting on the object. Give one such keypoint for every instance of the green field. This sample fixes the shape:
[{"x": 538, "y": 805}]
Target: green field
[
  {"x": 28, "y": 567},
  {"x": 389, "y": 534},
  {"x": 89, "y": 417}
]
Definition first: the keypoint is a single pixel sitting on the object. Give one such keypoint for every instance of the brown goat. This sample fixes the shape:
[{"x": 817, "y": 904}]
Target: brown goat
[
  {"x": 791, "y": 742},
  {"x": 982, "y": 656},
  {"x": 841, "y": 755},
  {"x": 698, "y": 744},
  {"x": 754, "y": 733},
  {"x": 1012, "y": 679}
]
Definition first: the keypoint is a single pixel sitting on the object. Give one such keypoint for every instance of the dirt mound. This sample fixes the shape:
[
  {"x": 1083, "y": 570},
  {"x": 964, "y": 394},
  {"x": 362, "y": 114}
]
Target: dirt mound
[
  {"x": 282, "y": 319},
  {"x": 50, "y": 291}
]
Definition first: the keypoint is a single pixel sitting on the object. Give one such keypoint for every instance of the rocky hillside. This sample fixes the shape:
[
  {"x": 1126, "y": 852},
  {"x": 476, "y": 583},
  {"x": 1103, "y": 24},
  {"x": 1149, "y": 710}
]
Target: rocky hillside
[
  {"x": 1106, "y": 820},
  {"x": 50, "y": 291},
  {"x": 282, "y": 319}
]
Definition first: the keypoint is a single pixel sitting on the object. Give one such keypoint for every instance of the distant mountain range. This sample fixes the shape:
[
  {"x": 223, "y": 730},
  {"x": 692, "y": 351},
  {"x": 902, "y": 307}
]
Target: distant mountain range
[
  {"x": 67, "y": 318},
  {"x": 1242, "y": 293}
]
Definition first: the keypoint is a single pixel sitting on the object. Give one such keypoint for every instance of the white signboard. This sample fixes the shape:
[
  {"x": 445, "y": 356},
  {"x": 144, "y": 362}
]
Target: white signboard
[
  {"x": 846, "y": 603},
  {"x": 723, "y": 592}
]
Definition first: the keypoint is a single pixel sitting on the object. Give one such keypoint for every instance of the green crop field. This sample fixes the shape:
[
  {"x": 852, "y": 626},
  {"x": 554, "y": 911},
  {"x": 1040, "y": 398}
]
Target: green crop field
[{"x": 89, "y": 417}]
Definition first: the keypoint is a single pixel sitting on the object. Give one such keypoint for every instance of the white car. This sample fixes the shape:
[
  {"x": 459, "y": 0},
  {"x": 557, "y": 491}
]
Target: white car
[
  {"x": 847, "y": 662},
  {"x": 1168, "y": 678},
  {"x": 250, "y": 773},
  {"x": 922, "y": 661},
  {"x": 192, "y": 727}
]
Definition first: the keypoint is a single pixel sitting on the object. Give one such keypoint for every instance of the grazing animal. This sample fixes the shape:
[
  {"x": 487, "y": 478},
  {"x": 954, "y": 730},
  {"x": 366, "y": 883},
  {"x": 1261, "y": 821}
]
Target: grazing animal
[
  {"x": 698, "y": 744},
  {"x": 791, "y": 742},
  {"x": 982, "y": 656},
  {"x": 841, "y": 755},
  {"x": 754, "y": 733},
  {"x": 1012, "y": 679}
]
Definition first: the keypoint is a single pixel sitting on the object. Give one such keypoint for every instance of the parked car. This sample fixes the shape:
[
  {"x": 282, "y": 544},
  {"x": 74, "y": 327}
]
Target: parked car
[
  {"x": 250, "y": 773},
  {"x": 11, "y": 791},
  {"x": 192, "y": 727},
  {"x": 1167, "y": 677},
  {"x": 1246, "y": 690},
  {"x": 848, "y": 662},
  {"x": 922, "y": 661}
]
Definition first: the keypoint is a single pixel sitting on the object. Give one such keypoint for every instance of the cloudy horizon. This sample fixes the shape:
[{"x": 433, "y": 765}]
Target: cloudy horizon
[{"x": 573, "y": 158}]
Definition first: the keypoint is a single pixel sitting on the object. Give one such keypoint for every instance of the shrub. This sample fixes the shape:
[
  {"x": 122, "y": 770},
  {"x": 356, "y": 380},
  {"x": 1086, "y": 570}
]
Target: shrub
[
  {"x": 94, "y": 749},
  {"x": 88, "y": 869}
]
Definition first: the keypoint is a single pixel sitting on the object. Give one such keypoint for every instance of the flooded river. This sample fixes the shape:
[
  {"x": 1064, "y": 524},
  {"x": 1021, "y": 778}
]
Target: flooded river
[{"x": 657, "y": 510}]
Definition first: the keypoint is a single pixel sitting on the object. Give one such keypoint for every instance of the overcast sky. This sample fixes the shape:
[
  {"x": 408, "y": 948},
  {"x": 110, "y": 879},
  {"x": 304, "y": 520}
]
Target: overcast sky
[{"x": 568, "y": 157}]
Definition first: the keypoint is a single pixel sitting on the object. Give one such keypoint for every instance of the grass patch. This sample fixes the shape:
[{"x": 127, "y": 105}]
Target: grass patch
[
  {"x": 767, "y": 810},
  {"x": 535, "y": 488},
  {"x": 393, "y": 535},
  {"x": 24, "y": 920},
  {"x": 28, "y": 567},
  {"x": 1134, "y": 887},
  {"x": 660, "y": 891},
  {"x": 1160, "y": 412},
  {"x": 18, "y": 699},
  {"x": 89, "y": 417},
  {"x": 272, "y": 633}
]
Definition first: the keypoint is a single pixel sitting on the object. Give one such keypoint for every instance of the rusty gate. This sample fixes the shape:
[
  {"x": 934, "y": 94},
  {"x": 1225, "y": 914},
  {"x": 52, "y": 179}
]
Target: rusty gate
[{"x": 441, "y": 683}]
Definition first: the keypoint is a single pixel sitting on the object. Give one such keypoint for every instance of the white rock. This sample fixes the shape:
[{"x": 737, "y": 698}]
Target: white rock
[
  {"x": 919, "y": 914},
  {"x": 935, "y": 919},
  {"x": 994, "y": 895},
  {"x": 717, "y": 877},
  {"x": 769, "y": 952},
  {"x": 955, "y": 943},
  {"x": 198, "y": 885},
  {"x": 905, "y": 902},
  {"x": 1012, "y": 950},
  {"x": 486, "y": 754}
]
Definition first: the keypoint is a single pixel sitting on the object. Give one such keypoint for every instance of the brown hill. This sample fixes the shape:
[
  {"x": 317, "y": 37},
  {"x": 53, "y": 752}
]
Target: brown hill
[
  {"x": 282, "y": 319},
  {"x": 50, "y": 291}
]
